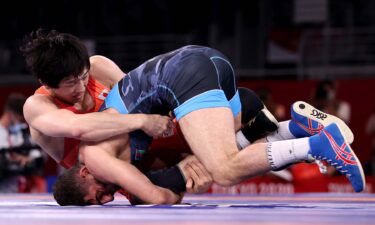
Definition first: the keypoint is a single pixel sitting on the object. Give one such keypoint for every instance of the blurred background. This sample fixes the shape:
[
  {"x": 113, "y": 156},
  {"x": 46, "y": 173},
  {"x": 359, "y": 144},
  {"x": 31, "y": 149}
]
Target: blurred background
[{"x": 319, "y": 51}]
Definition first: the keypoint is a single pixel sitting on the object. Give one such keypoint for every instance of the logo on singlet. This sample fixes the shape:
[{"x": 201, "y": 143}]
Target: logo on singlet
[{"x": 103, "y": 94}]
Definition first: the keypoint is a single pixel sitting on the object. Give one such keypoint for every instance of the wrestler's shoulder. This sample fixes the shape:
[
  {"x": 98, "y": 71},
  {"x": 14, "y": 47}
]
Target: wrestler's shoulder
[{"x": 37, "y": 101}]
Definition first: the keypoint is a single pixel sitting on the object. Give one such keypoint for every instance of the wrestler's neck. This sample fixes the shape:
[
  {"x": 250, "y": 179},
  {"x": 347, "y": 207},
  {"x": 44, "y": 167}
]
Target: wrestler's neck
[{"x": 86, "y": 103}]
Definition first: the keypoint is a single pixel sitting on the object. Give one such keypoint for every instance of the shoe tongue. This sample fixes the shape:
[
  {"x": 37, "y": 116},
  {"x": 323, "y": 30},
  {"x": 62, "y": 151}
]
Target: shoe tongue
[
  {"x": 310, "y": 158},
  {"x": 321, "y": 166}
]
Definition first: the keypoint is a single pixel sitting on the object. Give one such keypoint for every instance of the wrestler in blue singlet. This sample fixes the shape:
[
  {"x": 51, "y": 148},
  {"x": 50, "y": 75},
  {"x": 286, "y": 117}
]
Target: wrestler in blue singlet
[{"x": 181, "y": 81}]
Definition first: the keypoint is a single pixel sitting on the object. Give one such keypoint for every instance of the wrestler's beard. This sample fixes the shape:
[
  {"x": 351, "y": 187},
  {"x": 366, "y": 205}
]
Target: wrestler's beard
[
  {"x": 109, "y": 188},
  {"x": 112, "y": 189}
]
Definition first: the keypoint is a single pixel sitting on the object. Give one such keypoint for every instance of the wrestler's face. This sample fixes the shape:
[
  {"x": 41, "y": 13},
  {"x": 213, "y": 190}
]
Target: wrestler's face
[
  {"x": 99, "y": 193},
  {"x": 72, "y": 89}
]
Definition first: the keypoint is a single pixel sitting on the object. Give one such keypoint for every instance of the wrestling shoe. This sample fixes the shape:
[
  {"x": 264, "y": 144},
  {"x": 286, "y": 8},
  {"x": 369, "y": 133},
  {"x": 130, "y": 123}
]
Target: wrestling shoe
[
  {"x": 307, "y": 121},
  {"x": 331, "y": 146}
]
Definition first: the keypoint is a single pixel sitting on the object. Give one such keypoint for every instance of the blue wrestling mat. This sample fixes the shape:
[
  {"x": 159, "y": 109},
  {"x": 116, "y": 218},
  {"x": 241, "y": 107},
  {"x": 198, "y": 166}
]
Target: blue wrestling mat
[{"x": 199, "y": 209}]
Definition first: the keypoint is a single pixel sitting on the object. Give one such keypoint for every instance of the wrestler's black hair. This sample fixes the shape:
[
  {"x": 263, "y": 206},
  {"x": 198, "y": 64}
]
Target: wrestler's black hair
[
  {"x": 68, "y": 189},
  {"x": 52, "y": 56}
]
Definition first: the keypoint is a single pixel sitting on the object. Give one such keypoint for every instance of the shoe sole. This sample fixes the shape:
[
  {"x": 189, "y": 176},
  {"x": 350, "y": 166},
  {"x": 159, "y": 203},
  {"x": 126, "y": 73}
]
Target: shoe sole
[
  {"x": 360, "y": 168},
  {"x": 269, "y": 115},
  {"x": 358, "y": 162},
  {"x": 325, "y": 119}
]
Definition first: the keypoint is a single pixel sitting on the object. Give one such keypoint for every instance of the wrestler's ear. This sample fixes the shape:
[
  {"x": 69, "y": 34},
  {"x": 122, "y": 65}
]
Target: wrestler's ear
[{"x": 83, "y": 172}]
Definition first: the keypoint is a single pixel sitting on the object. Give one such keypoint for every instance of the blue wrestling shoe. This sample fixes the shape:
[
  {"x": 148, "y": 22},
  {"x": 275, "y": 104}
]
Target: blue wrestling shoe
[
  {"x": 307, "y": 121},
  {"x": 330, "y": 145}
]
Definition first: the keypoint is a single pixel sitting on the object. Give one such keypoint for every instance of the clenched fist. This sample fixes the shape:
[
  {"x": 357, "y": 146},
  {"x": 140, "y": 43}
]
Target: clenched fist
[{"x": 157, "y": 126}]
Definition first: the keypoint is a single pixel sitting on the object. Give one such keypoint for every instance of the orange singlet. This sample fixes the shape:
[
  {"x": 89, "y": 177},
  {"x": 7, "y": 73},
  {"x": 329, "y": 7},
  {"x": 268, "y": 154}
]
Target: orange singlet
[{"x": 98, "y": 92}]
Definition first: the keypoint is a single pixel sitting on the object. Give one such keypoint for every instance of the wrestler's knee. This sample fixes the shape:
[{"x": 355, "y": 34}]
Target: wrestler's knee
[{"x": 223, "y": 175}]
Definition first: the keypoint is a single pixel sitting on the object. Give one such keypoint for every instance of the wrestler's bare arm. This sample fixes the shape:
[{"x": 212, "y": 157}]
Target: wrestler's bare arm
[
  {"x": 197, "y": 178},
  {"x": 107, "y": 168},
  {"x": 43, "y": 115}
]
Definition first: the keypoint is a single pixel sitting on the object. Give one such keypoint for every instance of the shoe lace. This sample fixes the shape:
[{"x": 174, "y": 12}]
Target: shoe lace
[{"x": 323, "y": 168}]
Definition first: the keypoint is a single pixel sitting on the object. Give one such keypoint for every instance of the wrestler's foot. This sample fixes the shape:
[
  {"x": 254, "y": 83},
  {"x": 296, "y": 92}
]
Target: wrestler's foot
[
  {"x": 332, "y": 146},
  {"x": 307, "y": 121}
]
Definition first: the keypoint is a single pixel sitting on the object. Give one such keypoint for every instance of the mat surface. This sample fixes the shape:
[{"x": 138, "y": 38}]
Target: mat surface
[{"x": 202, "y": 209}]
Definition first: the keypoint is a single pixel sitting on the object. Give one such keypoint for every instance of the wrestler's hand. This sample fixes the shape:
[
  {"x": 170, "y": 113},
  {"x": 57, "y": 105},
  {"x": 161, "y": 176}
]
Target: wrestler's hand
[
  {"x": 158, "y": 126},
  {"x": 198, "y": 179}
]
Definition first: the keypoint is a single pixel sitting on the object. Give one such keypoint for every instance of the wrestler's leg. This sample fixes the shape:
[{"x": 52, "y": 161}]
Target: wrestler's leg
[{"x": 210, "y": 134}]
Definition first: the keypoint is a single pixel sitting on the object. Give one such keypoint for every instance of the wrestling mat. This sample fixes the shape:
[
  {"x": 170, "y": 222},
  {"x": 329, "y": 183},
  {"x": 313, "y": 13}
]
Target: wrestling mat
[{"x": 199, "y": 209}]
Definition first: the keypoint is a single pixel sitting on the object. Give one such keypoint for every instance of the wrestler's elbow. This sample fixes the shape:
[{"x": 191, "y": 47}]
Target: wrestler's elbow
[
  {"x": 78, "y": 133},
  {"x": 161, "y": 197},
  {"x": 161, "y": 200},
  {"x": 223, "y": 176}
]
